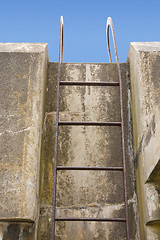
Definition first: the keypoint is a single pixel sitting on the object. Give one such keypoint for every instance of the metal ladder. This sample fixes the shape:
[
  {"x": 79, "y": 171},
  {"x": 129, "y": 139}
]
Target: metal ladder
[{"x": 71, "y": 123}]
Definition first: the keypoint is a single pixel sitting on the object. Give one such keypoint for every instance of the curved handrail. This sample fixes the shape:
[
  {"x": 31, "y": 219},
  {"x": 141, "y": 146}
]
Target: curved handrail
[
  {"x": 110, "y": 24},
  {"x": 61, "y": 41}
]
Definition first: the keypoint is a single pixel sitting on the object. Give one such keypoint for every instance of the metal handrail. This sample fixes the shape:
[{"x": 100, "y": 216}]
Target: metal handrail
[
  {"x": 61, "y": 41},
  {"x": 57, "y": 120},
  {"x": 110, "y": 24}
]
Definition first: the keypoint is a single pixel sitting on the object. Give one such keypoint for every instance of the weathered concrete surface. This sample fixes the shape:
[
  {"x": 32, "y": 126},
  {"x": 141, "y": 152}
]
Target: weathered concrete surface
[
  {"x": 23, "y": 71},
  {"x": 86, "y": 193},
  {"x": 144, "y": 60}
]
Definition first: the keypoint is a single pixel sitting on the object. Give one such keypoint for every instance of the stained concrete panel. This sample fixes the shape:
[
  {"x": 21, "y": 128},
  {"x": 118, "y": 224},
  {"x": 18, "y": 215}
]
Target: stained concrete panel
[
  {"x": 92, "y": 103},
  {"x": 144, "y": 60},
  {"x": 84, "y": 193},
  {"x": 86, "y": 188},
  {"x": 90, "y": 146},
  {"x": 23, "y": 69},
  {"x": 80, "y": 72},
  {"x": 90, "y": 231}
]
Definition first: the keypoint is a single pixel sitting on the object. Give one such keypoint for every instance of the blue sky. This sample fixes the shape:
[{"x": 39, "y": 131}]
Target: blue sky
[{"x": 84, "y": 25}]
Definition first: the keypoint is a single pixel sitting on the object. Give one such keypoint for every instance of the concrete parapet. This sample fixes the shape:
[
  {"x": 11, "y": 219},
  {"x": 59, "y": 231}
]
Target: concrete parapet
[
  {"x": 144, "y": 61},
  {"x": 23, "y": 71}
]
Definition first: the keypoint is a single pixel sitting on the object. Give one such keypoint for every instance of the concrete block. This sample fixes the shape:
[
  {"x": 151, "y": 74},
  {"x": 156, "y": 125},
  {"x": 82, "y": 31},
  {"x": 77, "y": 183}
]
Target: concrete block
[
  {"x": 144, "y": 61},
  {"x": 23, "y": 72}
]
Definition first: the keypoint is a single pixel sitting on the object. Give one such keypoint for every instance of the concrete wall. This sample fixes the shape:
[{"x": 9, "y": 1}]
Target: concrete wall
[
  {"x": 144, "y": 60},
  {"x": 23, "y": 71},
  {"x": 86, "y": 193},
  {"x": 23, "y": 85}
]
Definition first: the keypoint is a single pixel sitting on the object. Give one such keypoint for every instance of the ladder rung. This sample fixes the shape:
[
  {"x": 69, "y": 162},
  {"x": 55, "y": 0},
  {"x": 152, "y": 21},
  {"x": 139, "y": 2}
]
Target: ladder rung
[
  {"x": 90, "y": 123},
  {"x": 92, "y": 219},
  {"x": 90, "y": 168},
  {"x": 76, "y": 83}
]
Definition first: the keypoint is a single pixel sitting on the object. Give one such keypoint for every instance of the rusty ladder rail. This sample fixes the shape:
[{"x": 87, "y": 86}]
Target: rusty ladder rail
[
  {"x": 110, "y": 24},
  {"x": 59, "y": 123}
]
